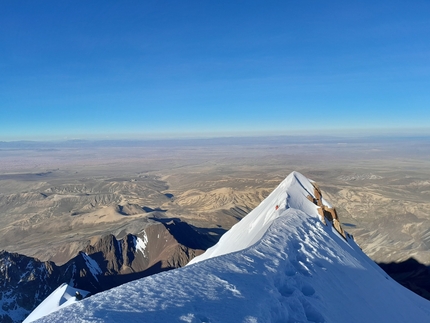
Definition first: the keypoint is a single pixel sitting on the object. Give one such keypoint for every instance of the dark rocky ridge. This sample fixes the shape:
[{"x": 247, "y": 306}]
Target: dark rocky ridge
[
  {"x": 411, "y": 274},
  {"x": 103, "y": 264}
]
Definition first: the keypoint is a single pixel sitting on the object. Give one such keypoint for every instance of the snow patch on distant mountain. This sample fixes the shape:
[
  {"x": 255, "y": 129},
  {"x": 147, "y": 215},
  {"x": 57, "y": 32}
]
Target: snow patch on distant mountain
[
  {"x": 141, "y": 244},
  {"x": 92, "y": 265},
  {"x": 119, "y": 246}
]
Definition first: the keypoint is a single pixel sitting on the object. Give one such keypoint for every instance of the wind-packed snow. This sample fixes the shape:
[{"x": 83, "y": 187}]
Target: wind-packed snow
[
  {"x": 92, "y": 265},
  {"x": 276, "y": 265},
  {"x": 61, "y": 297}
]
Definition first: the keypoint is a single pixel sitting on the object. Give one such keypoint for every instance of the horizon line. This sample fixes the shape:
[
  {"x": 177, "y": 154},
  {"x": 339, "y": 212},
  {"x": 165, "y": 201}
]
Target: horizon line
[{"x": 406, "y": 133}]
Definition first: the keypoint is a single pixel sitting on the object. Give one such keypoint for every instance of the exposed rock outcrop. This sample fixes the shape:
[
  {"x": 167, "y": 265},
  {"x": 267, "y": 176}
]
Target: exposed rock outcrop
[
  {"x": 24, "y": 283},
  {"x": 326, "y": 211}
]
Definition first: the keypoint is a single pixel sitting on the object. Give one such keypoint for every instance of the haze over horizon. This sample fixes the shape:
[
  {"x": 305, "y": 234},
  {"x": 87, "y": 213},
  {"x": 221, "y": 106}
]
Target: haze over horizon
[{"x": 137, "y": 70}]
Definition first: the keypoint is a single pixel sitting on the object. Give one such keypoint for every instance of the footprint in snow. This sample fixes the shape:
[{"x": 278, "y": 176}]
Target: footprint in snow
[
  {"x": 312, "y": 314},
  {"x": 308, "y": 290},
  {"x": 290, "y": 271},
  {"x": 286, "y": 290}
]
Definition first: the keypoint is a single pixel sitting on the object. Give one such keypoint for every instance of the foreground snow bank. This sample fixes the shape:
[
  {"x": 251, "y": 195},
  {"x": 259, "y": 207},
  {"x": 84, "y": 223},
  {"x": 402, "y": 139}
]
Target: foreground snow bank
[
  {"x": 63, "y": 296},
  {"x": 286, "y": 266}
]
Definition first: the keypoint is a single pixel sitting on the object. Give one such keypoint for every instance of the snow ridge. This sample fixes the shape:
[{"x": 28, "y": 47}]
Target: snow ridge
[
  {"x": 291, "y": 193},
  {"x": 281, "y": 263},
  {"x": 63, "y": 296}
]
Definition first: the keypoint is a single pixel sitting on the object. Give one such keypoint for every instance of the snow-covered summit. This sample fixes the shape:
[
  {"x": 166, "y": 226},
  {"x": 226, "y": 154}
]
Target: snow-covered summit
[
  {"x": 293, "y": 192},
  {"x": 289, "y": 260}
]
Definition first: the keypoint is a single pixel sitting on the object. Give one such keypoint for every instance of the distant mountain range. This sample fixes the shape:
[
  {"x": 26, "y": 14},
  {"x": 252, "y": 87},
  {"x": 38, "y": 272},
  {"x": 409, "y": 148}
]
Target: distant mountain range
[{"x": 103, "y": 264}]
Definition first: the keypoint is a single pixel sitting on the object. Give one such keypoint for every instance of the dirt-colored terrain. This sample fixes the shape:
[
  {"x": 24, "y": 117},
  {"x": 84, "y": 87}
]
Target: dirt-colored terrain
[{"x": 55, "y": 198}]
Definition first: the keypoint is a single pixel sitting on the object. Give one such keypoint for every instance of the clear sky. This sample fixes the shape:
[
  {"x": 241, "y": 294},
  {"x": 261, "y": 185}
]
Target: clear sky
[{"x": 138, "y": 69}]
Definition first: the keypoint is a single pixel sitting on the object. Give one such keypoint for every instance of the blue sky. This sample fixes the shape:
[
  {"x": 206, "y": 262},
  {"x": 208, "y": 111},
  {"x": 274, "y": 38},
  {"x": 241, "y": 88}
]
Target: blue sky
[{"x": 140, "y": 69}]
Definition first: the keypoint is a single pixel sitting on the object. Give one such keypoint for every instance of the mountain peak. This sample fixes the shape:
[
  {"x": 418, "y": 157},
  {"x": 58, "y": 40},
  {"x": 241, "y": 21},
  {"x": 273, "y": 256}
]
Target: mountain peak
[
  {"x": 294, "y": 192},
  {"x": 284, "y": 262}
]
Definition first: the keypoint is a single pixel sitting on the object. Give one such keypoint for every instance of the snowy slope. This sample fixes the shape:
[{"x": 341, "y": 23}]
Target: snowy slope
[
  {"x": 291, "y": 193},
  {"x": 276, "y": 265},
  {"x": 61, "y": 297}
]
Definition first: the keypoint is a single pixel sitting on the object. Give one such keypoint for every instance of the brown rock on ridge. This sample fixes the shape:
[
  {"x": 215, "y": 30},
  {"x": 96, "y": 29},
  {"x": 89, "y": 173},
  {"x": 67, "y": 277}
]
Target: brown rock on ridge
[
  {"x": 162, "y": 246},
  {"x": 170, "y": 243},
  {"x": 174, "y": 243},
  {"x": 327, "y": 213}
]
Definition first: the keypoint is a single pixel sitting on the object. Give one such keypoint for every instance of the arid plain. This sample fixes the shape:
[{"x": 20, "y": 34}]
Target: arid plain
[{"x": 57, "y": 197}]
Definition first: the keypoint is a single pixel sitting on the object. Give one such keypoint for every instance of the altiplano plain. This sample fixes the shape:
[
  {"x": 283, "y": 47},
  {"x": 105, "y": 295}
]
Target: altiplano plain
[{"x": 55, "y": 198}]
